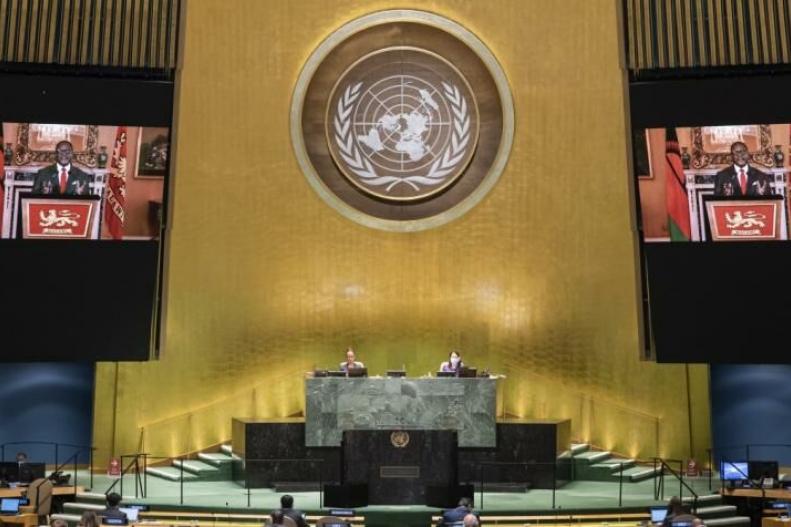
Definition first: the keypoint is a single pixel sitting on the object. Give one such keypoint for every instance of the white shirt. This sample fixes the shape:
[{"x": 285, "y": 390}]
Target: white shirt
[{"x": 62, "y": 167}]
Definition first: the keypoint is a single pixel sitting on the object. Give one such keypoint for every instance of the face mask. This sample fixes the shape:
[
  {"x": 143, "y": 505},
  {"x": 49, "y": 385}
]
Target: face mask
[{"x": 454, "y": 361}]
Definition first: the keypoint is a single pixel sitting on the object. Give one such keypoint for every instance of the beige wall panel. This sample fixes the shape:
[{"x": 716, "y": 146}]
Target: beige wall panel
[{"x": 266, "y": 281}]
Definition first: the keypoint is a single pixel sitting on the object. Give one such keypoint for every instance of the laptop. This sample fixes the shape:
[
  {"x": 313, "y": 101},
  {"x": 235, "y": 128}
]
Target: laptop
[
  {"x": 334, "y": 373},
  {"x": 396, "y": 373},
  {"x": 131, "y": 513},
  {"x": 9, "y": 506},
  {"x": 114, "y": 521},
  {"x": 446, "y": 374},
  {"x": 358, "y": 372},
  {"x": 658, "y": 514},
  {"x": 468, "y": 372}
]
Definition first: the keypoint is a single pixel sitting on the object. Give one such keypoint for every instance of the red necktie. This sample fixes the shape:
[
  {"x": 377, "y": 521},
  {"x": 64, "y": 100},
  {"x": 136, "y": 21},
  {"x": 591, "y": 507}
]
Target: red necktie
[
  {"x": 743, "y": 181},
  {"x": 64, "y": 176}
]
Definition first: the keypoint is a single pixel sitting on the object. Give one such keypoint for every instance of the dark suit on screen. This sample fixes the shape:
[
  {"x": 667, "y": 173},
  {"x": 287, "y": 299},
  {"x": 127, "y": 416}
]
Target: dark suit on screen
[
  {"x": 47, "y": 181},
  {"x": 727, "y": 182}
]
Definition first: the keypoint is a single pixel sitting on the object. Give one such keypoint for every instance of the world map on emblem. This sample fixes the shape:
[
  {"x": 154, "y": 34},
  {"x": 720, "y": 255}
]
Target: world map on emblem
[{"x": 402, "y": 124}]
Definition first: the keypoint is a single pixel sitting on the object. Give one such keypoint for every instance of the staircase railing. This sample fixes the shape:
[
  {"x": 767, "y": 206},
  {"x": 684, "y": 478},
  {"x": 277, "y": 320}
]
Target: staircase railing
[
  {"x": 140, "y": 484},
  {"x": 660, "y": 468}
]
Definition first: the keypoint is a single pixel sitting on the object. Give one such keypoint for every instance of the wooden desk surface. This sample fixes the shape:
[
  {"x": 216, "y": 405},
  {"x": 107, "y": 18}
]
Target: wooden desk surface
[
  {"x": 775, "y": 522},
  {"x": 18, "y": 492},
  {"x": 26, "y": 520},
  {"x": 774, "y": 494}
]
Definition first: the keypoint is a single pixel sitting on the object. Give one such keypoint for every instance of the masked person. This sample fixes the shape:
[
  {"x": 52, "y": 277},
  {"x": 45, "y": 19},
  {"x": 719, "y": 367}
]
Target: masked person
[{"x": 453, "y": 364}]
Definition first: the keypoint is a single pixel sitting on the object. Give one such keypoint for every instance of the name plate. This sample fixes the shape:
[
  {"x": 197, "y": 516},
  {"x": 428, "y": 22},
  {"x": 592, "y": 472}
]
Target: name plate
[{"x": 401, "y": 471}]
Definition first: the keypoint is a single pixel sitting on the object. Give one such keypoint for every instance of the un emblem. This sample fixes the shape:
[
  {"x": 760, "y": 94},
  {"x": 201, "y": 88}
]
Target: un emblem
[
  {"x": 404, "y": 124},
  {"x": 399, "y": 439},
  {"x": 402, "y": 120}
]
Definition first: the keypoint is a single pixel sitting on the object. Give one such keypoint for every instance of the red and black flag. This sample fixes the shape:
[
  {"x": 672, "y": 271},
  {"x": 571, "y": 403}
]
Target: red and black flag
[
  {"x": 115, "y": 194},
  {"x": 676, "y": 191}
]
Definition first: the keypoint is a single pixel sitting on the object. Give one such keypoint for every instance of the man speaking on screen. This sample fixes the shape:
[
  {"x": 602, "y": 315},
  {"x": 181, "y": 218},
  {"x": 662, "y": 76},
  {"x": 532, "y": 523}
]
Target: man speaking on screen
[
  {"x": 62, "y": 177},
  {"x": 740, "y": 178}
]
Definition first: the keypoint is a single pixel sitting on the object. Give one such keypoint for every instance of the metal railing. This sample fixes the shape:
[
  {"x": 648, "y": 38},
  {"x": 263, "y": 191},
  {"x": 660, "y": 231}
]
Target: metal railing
[
  {"x": 661, "y": 469},
  {"x": 56, "y": 452}
]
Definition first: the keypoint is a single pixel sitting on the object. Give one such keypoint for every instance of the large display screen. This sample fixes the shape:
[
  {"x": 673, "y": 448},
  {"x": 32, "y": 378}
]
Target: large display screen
[
  {"x": 82, "y": 181},
  {"x": 725, "y": 183}
]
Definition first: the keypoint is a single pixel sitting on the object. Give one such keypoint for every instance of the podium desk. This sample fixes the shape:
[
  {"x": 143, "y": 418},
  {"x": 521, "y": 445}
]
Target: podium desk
[
  {"x": 25, "y": 520},
  {"x": 18, "y": 492},
  {"x": 336, "y": 404}
]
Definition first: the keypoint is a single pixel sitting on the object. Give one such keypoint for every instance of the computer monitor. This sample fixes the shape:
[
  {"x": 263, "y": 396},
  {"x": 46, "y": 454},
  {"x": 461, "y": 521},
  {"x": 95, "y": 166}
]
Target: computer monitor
[
  {"x": 763, "y": 469},
  {"x": 131, "y": 513},
  {"x": 446, "y": 374},
  {"x": 734, "y": 470},
  {"x": 9, "y": 506},
  {"x": 681, "y": 524},
  {"x": 114, "y": 521},
  {"x": 468, "y": 372},
  {"x": 396, "y": 373},
  {"x": 658, "y": 514},
  {"x": 336, "y": 374},
  {"x": 319, "y": 373},
  {"x": 342, "y": 512},
  {"x": 29, "y": 472},
  {"x": 9, "y": 471},
  {"x": 358, "y": 372}
]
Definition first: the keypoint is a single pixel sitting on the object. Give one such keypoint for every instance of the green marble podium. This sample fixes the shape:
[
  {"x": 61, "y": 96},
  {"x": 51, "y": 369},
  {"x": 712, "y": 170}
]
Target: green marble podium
[{"x": 335, "y": 404}]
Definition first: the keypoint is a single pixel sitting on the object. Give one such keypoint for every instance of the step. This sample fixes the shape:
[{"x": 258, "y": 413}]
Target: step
[
  {"x": 728, "y": 522},
  {"x": 82, "y": 507},
  {"x": 296, "y": 486},
  {"x": 639, "y": 473},
  {"x": 593, "y": 457},
  {"x": 101, "y": 497},
  {"x": 615, "y": 464},
  {"x": 170, "y": 473},
  {"x": 195, "y": 467},
  {"x": 579, "y": 448},
  {"x": 716, "y": 511},
  {"x": 69, "y": 518},
  {"x": 216, "y": 459},
  {"x": 518, "y": 488},
  {"x": 226, "y": 449},
  {"x": 705, "y": 498}
]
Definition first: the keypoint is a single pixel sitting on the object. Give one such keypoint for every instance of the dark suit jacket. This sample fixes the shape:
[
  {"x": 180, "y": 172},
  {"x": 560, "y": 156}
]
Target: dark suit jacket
[
  {"x": 296, "y": 515},
  {"x": 112, "y": 512},
  {"x": 47, "y": 181},
  {"x": 727, "y": 183},
  {"x": 456, "y": 515}
]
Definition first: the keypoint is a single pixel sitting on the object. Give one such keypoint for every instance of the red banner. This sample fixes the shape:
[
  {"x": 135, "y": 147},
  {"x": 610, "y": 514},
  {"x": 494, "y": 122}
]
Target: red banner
[
  {"x": 744, "y": 220},
  {"x": 56, "y": 218},
  {"x": 115, "y": 195}
]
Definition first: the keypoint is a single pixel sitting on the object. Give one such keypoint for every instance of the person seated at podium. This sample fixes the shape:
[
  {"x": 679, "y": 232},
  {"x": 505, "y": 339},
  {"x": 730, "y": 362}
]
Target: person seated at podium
[
  {"x": 742, "y": 179},
  {"x": 277, "y": 519},
  {"x": 471, "y": 520},
  {"x": 677, "y": 513},
  {"x": 112, "y": 510},
  {"x": 453, "y": 364},
  {"x": 287, "y": 508},
  {"x": 88, "y": 519},
  {"x": 350, "y": 363},
  {"x": 457, "y": 515},
  {"x": 62, "y": 177}
]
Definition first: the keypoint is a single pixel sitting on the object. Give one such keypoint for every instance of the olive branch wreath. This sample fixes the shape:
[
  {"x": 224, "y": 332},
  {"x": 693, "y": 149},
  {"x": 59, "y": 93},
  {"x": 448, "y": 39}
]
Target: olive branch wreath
[{"x": 439, "y": 170}]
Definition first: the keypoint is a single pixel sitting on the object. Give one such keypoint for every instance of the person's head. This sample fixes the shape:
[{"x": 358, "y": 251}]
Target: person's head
[
  {"x": 59, "y": 523},
  {"x": 454, "y": 358},
  {"x": 350, "y": 356},
  {"x": 64, "y": 152},
  {"x": 113, "y": 499},
  {"x": 88, "y": 519},
  {"x": 277, "y": 517},
  {"x": 287, "y": 501},
  {"x": 21, "y": 457},
  {"x": 675, "y": 506},
  {"x": 740, "y": 154},
  {"x": 471, "y": 520},
  {"x": 466, "y": 503}
]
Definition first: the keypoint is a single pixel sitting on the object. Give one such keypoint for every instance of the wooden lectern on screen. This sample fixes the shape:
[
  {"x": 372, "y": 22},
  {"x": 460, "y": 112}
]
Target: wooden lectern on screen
[
  {"x": 62, "y": 217},
  {"x": 751, "y": 219}
]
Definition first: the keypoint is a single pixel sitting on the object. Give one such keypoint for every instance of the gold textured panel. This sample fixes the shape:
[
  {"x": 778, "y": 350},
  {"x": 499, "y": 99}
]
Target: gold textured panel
[{"x": 266, "y": 281}]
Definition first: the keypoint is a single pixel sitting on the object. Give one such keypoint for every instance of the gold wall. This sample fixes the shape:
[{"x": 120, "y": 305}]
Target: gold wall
[{"x": 265, "y": 281}]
